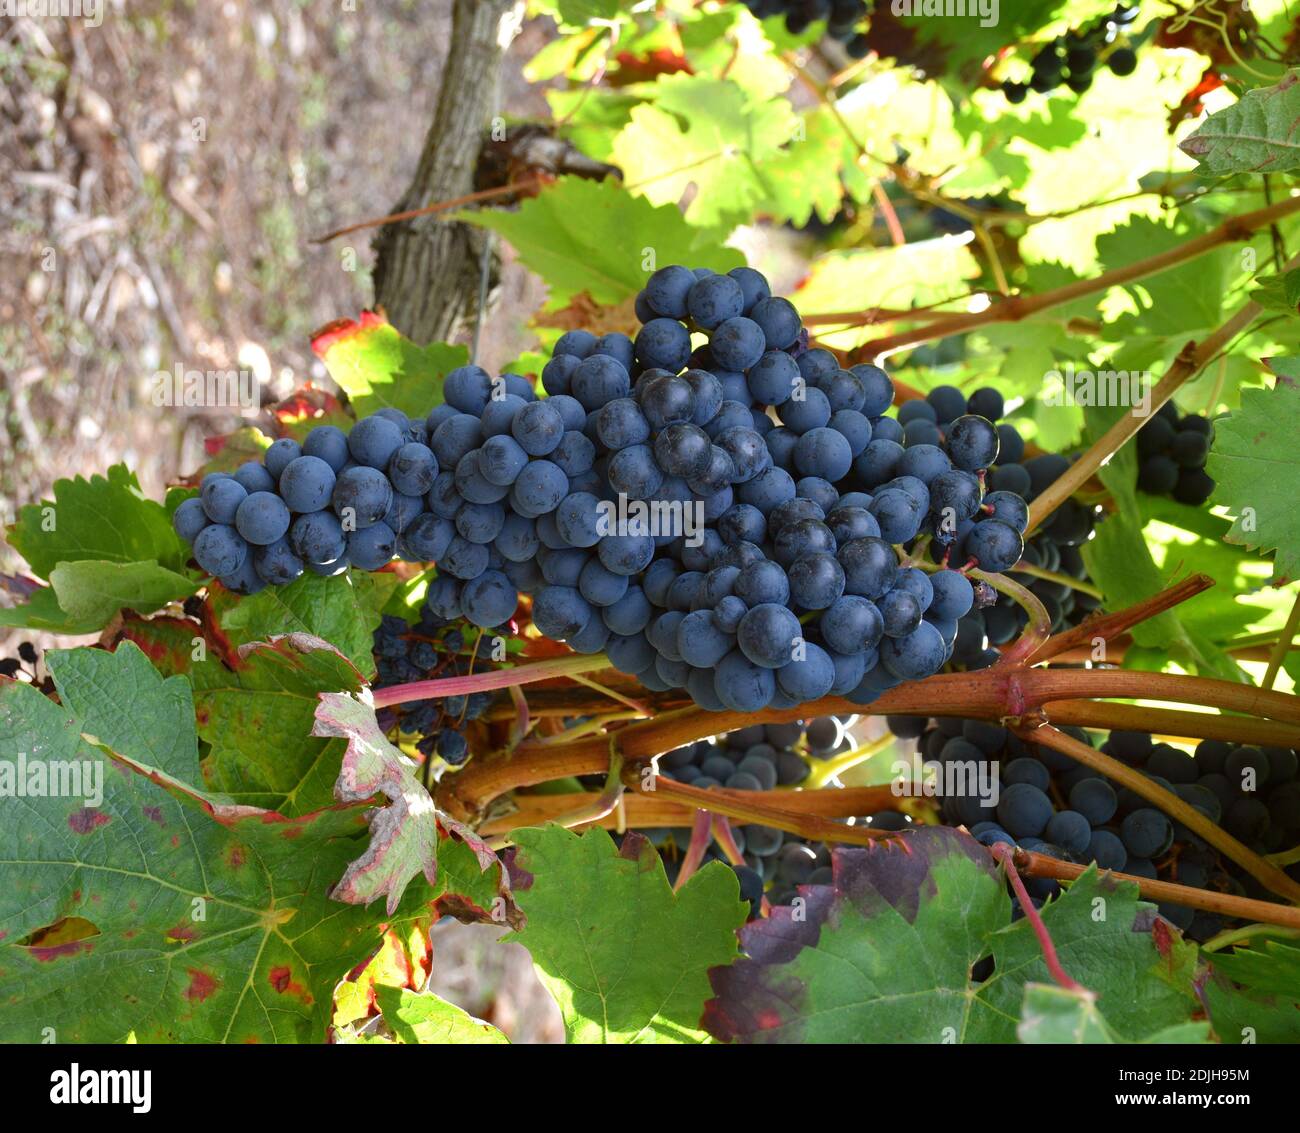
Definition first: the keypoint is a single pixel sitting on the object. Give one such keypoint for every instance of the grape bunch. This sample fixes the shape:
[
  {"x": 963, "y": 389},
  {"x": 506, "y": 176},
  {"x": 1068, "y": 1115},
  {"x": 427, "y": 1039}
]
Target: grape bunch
[
  {"x": 1172, "y": 451},
  {"x": 1070, "y": 60},
  {"x": 432, "y": 648},
  {"x": 653, "y": 508},
  {"x": 762, "y": 758},
  {"x": 1049, "y": 804},
  {"x": 1014, "y": 481},
  {"x": 843, "y": 18}
]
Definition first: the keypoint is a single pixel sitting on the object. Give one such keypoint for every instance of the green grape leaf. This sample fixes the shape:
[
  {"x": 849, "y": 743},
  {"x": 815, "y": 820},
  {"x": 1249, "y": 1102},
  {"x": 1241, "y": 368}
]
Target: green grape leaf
[
  {"x": 1256, "y": 469},
  {"x": 1258, "y": 134},
  {"x": 929, "y": 271},
  {"x": 1176, "y": 302},
  {"x": 1056, "y": 1015},
  {"x": 1279, "y": 292},
  {"x": 624, "y": 957},
  {"x": 731, "y": 42},
  {"x": 42, "y": 611},
  {"x": 378, "y": 367},
  {"x": 1253, "y": 994},
  {"x": 134, "y": 904},
  {"x": 580, "y": 13},
  {"x": 1109, "y": 941},
  {"x": 424, "y": 1018},
  {"x": 594, "y": 236},
  {"x": 257, "y": 713},
  {"x": 93, "y": 591},
  {"x": 344, "y": 610},
  {"x": 884, "y": 953},
  {"x": 805, "y": 176},
  {"x": 707, "y": 133},
  {"x": 105, "y": 517}
]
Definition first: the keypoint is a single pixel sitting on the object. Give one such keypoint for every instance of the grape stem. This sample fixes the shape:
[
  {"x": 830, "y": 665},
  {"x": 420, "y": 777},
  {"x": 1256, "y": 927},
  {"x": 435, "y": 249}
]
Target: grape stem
[
  {"x": 727, "y": 840},
  {"x": 1283, "y": 646},
  {"x": 1037, "y": 630},
  {"x": 1259, "y": 868},
  {"x": 648, "y": 810},
  {"x": 733, "y": 805},
  {"x": 490, "y": 682},
  {"x": 987, "y": 694},
  {"x": 1190, "y": 361},
  {"x": 1105, "y": 626},
  {"x": 1079, "y": 584},
  {"x": 526, "y": 185},
  {"x": 701, "y": 836},
  {"x": 1166, "y": 892},
  {"x": 1005, "y": 856},
  {"x": 1020, "y": 307},
  {"x": 829, "y": 769}
]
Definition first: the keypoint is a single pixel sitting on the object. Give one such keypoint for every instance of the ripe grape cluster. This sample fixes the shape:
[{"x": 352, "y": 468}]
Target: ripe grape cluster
[
  {"x": 1013, "y": 481},
  {"x": 1070, "y": 60},
  {"x": 761, "y": 758},
  {"x": 1172, "y": 451},
  {"x": 843, "y": 18},
  {"x": 653, "y": 508},
  {"x": 1052, "y": 805}
]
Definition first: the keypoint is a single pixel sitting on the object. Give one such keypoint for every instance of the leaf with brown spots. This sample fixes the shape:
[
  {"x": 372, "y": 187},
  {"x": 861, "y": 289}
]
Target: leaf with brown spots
[{"x": 214, "y": 919}]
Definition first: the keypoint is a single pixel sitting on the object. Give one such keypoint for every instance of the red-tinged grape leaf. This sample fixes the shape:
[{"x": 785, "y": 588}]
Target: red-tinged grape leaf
[
  {"x": 104, "y": 518},
  {"x": 172, "y": 644},
  {"x": 1255, "y": 464},
  {"x": 405, "y": 834},
  {"x": 623, "y": 956},
  {"x": 1061, "y": 1016},
  {"x": 378, "y": 367},
  {"x": 92, "y": 591},
  {"x": 401, "y": 960},
  {"x": 205, "y": 921},
  {"x": 228, "y": 451},
  {"x": 1253, "y": 994},
  {"x": 344, "y": 610},
  {"x": 258, "y": 716},
  {"x": 426, "y": 1019},
  {"x": 306, "y": 408},
  {"x": 881, "y": 955},
  {"x": 592, "y": 236},
  {"x": 1258, "y": 134},
  {"x": 709, "y": 134},
  {"x": 884, "y": 953}
]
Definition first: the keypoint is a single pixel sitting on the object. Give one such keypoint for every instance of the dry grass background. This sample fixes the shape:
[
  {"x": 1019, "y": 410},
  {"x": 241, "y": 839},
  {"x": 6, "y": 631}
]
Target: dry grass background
[{"x": 163, "y": 174}]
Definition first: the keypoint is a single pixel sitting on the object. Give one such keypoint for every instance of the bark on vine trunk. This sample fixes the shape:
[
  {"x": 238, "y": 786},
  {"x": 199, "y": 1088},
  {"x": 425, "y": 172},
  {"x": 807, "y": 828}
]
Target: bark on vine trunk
[{"x": 427, "y": 270}]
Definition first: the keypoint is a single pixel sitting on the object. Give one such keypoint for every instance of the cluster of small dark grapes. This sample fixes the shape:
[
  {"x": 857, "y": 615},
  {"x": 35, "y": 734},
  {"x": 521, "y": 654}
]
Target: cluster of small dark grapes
[
  {"x": 1172, "y": 451},
  {"x": 1013, "y": 481},
  {"x": 843, "y": 18},
  {"x": 762, "y": 758},
  {"x": 429, "y": 649},
  {"x": 1070, "y": 60},
  {"x": 654, "y": 508},
  {"x": 390, "y": 487},
  {"x": 1049, "y": 804}
]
